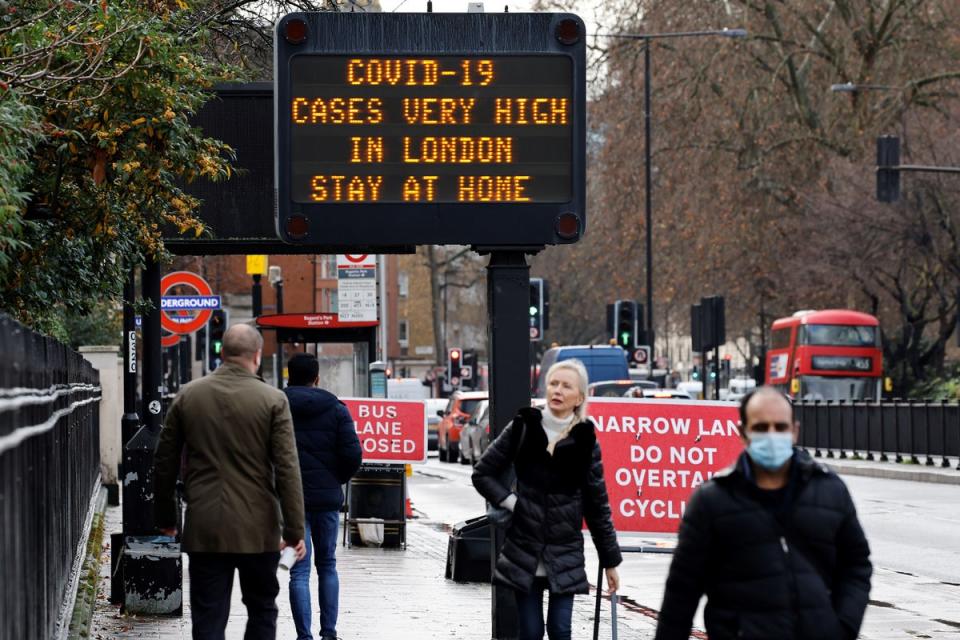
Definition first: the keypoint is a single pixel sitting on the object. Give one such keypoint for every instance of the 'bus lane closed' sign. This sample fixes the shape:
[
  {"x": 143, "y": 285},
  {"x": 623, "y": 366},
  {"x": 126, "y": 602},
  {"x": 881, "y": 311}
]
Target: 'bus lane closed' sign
[
  {"x": 655, "y": 453},
  {"x": 390, "y": 431}
]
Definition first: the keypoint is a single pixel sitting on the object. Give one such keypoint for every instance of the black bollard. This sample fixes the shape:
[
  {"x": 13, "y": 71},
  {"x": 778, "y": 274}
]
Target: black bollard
[
  {"x": 913, "y": 448},
  {"x": 841, "y": 410},
  {"x": 943, "y": 433},
  {"x": 816, "y": 423},
  {"x": 883, "y": 440},
  {"x": 827, "y": 404},
  {"x": 896, "y": 430}
]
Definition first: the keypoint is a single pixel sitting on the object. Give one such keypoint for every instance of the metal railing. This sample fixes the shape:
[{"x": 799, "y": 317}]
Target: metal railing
[
  {"x": 49, "y": 470},
  {"x": 919, "y": 432}
]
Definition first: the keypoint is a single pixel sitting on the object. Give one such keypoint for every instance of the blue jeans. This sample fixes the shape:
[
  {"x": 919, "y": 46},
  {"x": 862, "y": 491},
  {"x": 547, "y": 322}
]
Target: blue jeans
[
  {"x": 321, "y": 536},
  {"x": 530, "y": 613}
]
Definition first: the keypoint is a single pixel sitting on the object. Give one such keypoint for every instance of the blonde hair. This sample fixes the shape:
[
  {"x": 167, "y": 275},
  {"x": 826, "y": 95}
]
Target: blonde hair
[{"x": 574, "y": 365}]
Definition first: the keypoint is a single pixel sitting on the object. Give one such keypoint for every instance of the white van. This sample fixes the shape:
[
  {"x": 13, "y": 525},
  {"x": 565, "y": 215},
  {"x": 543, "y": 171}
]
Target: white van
[
  {"x": 694, "y": 388},
  {"x": 407, "y": 389},
  {"x": 739, "y": 387}
]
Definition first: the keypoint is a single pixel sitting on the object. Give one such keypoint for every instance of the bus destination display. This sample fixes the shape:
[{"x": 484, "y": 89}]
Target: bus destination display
[{"x": 430, "y": 129}]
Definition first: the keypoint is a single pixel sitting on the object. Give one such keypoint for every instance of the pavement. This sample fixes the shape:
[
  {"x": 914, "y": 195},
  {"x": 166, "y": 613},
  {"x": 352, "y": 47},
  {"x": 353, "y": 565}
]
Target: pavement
[
  {"x": 919, "y": 470},
  {"x": 402, "y": 594}
]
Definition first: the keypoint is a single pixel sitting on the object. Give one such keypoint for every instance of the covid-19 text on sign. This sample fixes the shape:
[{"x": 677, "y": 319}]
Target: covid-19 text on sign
[
  {"x": 655, "y": 453},
  {"x": 437, "y": 129},
  {"x": 390, "y": 431},
  {"x": 430, "y": 128}
]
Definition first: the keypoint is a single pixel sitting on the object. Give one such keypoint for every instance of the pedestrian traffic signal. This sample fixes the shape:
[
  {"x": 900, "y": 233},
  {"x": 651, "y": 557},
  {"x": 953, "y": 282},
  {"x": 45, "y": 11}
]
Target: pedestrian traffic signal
[
  {"x": 888, "y": 177},
  {"x": 469, "y": 372},
  {"x": 536, "y": 309},
  {"x": 454, "y": 361},
  {"x": 625, "y": 316},
  {"x": 216, "y": 327}
]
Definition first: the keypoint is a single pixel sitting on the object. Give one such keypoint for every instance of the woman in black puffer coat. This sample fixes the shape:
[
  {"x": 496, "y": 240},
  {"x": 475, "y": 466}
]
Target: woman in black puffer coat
[{"x": 559, "y": 485}]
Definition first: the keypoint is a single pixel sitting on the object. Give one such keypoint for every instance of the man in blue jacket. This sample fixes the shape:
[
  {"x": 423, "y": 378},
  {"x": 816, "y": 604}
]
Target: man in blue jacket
[{"x": 329, "y": 456}]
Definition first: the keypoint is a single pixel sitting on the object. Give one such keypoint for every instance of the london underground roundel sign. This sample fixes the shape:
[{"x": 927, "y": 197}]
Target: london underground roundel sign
[{"x": 176, "y": 311}]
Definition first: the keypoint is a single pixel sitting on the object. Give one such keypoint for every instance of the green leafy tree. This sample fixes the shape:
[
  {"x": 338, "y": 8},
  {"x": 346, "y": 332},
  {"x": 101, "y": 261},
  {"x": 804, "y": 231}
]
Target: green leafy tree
[{"x": 98, "y": 97}]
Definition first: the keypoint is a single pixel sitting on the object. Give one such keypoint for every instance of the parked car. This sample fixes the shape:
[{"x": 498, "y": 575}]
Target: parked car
[
  {"x": 692, "y": 387},
  {"x": 603, "y": 362},
  {"x": 473, "y": 433},
  {"x": 435, "y": 408},
  {"x": 459, "y": 408},
  {"x": 671, "y": 394},
  {"x": 611, "y": 388}
]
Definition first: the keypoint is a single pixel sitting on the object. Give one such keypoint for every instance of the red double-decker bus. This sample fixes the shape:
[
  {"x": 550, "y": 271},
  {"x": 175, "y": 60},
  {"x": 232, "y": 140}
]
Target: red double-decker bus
[{"x": 833, "y": 354}]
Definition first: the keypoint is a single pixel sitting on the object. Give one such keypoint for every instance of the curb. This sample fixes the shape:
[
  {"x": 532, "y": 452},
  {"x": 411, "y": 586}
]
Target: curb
[
  {"x": 86, "y": 600},
  {"x": 894, "y": 473}
]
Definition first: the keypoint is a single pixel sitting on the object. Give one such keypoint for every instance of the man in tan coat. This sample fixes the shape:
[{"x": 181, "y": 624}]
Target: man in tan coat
[{"x": 241, "y": 473}]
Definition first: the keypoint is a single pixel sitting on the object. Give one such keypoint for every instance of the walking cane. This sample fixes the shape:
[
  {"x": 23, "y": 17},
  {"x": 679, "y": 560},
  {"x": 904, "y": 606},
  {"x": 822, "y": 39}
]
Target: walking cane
[
  {"x": 613, "y": 615},
  {"x": 613, "y": 609}
]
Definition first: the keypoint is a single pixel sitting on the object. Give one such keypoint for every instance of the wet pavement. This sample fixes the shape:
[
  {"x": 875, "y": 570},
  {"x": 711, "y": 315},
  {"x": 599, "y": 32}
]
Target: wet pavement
[
  {"x": 390, "y": 593},
  {"x": 914, "y": 530}
]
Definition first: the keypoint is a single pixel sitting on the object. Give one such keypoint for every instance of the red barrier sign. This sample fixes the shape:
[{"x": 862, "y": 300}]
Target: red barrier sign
[
  {"x": 655, "y": 453},
  {"x": 391, "y": 431}
]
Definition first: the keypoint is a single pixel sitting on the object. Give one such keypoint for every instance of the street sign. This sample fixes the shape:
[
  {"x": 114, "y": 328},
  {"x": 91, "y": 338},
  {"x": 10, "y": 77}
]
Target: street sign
[
  {"x": 656, "y": 452},
  {"x": 309, "y": 321},
  {"x": 356, "y": 288},
  {"x": 257, "y": 265},
  {"x": 406, "y": 139},
  {"x": 466, "y": 373},
  {"x": 390, "y": 431},
  {"x": 175, "y": 311},
  {"x": 641, "y": 355}
]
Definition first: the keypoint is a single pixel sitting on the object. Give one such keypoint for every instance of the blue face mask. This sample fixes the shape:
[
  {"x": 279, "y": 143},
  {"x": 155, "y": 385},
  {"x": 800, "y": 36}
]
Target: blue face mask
[{"x": 770, "y": 450}]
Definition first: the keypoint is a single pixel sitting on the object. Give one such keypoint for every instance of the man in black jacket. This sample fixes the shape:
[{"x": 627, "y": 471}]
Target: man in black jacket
[
  {"x": 330, "y": 454},
  {"x": 774, "y": 543}
]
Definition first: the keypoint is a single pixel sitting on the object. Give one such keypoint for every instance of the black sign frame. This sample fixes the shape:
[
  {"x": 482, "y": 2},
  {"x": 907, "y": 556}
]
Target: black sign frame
[{"x": 487, "y": 224}]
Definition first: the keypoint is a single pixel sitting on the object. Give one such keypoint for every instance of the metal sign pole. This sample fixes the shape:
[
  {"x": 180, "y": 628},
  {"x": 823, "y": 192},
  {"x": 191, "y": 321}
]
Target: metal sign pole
[{"x": 508, "y": 287}]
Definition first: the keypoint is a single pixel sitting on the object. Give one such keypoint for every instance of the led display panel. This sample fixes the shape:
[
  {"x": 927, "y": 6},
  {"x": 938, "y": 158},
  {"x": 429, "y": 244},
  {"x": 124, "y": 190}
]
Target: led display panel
[
  {"x": 402, "y": 129},
  {"x": 430, "y": 129}
]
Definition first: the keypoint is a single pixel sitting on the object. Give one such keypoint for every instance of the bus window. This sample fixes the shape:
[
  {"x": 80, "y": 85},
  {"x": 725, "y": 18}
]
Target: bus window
[
  {"x": 780, "y": 338},
  {"x": 834, "y": 335}
]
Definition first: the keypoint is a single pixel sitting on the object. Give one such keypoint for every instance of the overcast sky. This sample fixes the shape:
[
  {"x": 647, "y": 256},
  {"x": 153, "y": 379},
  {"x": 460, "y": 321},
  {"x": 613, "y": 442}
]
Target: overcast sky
[{"x": 452, "y": 6}]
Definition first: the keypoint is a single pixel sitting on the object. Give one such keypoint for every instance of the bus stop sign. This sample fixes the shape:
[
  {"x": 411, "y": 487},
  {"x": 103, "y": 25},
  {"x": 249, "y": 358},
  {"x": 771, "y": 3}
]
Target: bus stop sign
[{"x": 432, "y": 128}]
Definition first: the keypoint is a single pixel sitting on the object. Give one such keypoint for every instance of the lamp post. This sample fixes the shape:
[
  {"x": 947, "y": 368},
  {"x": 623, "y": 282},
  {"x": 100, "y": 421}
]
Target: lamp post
[
  {"x": 648, "y": 175},
  {"x": 854, "y": 88},
  {"x": 275, "y": 277}
]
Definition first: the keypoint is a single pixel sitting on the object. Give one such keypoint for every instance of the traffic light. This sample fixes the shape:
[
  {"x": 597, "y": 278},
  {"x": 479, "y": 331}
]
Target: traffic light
[
  {"x": 695, "y": 373},
  {"x": 545, "y": 307},
  {"x": 454, "y": 361},
  {"x": 215, "y": 330},
  {"x": 536, "y": 309},
  {"x": 625, "y": 317},
  {"x": 468, "y": 369},
  {"x": 888, "y": 179}
]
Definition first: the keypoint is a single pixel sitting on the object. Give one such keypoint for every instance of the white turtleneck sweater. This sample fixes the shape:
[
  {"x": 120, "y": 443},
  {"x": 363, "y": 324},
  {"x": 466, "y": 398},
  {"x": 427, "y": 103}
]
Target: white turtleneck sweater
[{"x": 555, "y": 429}]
